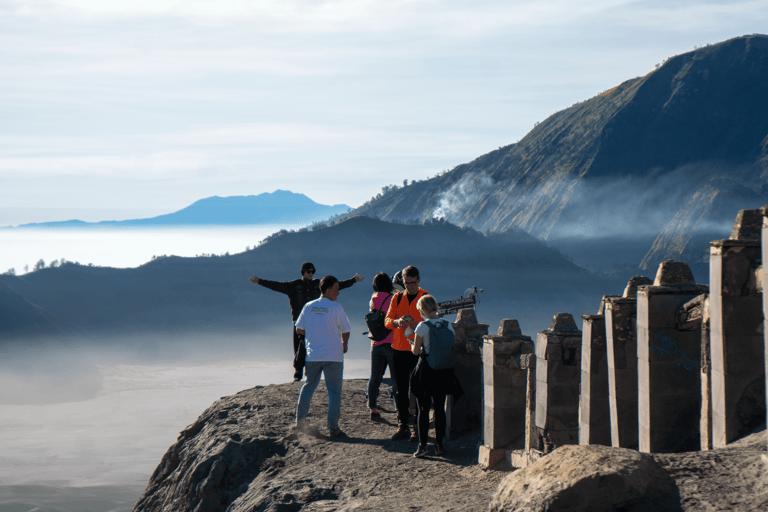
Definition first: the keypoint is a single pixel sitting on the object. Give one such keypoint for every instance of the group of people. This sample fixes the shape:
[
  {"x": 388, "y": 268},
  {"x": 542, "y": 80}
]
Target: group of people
[{"x": 321, "y": 337}]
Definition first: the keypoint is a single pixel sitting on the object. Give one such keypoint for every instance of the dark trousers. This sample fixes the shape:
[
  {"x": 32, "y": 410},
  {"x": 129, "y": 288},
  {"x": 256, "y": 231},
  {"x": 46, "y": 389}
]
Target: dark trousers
[
  {"x": 381, "y": 357},
  {"x": 299, "y": 354},
  {"x": 436, "y": 401},
  {"x": 404, "y": 363}
]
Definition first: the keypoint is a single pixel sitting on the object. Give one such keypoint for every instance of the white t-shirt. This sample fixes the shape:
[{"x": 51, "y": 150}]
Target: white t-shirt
[
  {"x": 423, "y": 331},
  {"x": 324, "y": 321}
]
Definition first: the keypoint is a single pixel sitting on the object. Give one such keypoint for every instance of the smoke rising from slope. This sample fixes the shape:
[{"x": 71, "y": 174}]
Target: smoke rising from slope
[{"x": 564, "y": 206}]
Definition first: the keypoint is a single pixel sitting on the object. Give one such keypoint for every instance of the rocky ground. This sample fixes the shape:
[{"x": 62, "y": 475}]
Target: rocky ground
[{"x": 241, "y": 455}]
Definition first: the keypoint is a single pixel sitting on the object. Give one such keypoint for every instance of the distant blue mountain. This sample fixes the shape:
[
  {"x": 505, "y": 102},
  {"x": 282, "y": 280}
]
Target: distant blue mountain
[{"x": 279, "y": 207}]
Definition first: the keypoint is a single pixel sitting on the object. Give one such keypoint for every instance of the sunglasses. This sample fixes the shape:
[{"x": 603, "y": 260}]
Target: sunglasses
[
  {"x": 309, "y": 271},
  {"x": 412, "y": 282}
]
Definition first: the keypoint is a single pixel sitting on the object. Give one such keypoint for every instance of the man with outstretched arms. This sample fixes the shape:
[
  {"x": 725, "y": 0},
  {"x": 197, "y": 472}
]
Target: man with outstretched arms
[
  {"x": 402, "y": 318},
  {"x": 299, "y": 292},
  {"x": 325, "y": 328}
]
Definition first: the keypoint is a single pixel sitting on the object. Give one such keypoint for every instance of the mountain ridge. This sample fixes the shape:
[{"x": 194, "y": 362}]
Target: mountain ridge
[
  {"x": 280, "y": 207},
  {"x": 627, "y": 159}
]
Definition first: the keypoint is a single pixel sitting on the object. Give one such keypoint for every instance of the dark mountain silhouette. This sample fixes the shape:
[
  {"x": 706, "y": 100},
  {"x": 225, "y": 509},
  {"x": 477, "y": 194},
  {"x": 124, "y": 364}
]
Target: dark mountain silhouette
[
  {"x": 671, "y": 154},
  {"x": 279, "y": 207},
  {"x": 522, "y": 278}
]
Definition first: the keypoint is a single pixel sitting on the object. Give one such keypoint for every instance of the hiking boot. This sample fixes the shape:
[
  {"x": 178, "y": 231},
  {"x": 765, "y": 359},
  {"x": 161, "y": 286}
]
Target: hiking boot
[
  {"x": 439, "y": 450},
  {"x": 403, "y": 432},
  {"x": 375, "y": 416},
  {"x": 420, "y": 452},
  {"x": 335, "y": 433}
]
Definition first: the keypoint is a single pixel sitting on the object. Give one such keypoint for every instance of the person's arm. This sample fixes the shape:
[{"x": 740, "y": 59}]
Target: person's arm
[
  {"x": 277, "y": 286},
  {"x": 301, "y": 331},
  {"x": 344, "y": 341},
  {"x": 349, "y": 282},
  {"x": 417, "y": 345},
  {"x": 389, "y": 321}
]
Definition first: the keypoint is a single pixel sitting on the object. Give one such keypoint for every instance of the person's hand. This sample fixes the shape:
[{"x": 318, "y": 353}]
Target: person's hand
[
  {"x": 344, "y": 346},
  {"x": 358, "y": 278},
  {"x": 254, "y": 280}
]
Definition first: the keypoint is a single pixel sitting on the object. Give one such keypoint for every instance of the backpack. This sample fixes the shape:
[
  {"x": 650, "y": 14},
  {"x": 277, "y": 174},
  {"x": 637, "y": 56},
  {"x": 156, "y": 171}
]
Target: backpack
[
  {"x": 441, "y": 341},
  {"x": 375, "y": 322}
]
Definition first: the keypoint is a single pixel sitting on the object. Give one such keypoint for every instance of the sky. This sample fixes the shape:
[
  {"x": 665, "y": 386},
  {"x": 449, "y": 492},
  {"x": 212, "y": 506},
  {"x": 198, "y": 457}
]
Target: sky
[{"x": 132, "y": 108}]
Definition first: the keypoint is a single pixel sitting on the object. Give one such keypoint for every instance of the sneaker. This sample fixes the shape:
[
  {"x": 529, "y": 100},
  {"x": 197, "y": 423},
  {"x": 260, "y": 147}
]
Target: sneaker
[
  {"x": 336, "y": 433},
  {"x": 439, "y": 450},
  {"x": 403, "y": 432},
  {"x": 375, "y": 416},
  {"x": 414, "y": 437},
  {"x": 420, "y": 452}
]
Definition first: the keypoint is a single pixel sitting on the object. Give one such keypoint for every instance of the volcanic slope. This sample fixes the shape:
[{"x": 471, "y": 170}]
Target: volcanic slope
[{"x": 671, "y": 154}]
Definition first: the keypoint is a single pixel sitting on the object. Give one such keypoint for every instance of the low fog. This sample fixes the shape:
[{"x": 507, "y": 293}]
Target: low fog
[{"x": 78, "y": 414}]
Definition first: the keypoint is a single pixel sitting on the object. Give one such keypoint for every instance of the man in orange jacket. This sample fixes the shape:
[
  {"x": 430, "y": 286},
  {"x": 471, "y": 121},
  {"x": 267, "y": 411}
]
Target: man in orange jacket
[{"x": 402, "y": 318}]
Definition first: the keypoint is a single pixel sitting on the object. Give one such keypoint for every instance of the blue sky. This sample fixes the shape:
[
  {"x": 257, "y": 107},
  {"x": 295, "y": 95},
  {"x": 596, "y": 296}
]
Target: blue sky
[{"x": 122, "y": 105}]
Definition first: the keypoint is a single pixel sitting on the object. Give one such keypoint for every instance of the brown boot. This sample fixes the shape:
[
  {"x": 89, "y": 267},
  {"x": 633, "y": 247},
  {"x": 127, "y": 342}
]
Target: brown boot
[{"x": 403, "y": 432}]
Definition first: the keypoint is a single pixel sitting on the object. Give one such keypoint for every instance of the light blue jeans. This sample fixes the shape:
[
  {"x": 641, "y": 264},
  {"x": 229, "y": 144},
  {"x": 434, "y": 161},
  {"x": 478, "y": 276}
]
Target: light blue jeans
[{"x": 334, "y": 378}]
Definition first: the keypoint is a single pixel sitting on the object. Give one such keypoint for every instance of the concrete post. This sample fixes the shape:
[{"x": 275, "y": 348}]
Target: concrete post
[
  {"x": 736, "y": 331},
  {"x": 505, "y": 392},
  {"x": 621, "y": 349},
  {"x": 669, "y": 383},
  {"x": 558, "y": 374},
  {"x": 467, "y": 413},
  {"x": 594, "y": 413}
]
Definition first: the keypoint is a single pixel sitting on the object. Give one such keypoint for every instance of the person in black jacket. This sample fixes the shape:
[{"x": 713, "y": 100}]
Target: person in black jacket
[{"x": 299, "y": 292}]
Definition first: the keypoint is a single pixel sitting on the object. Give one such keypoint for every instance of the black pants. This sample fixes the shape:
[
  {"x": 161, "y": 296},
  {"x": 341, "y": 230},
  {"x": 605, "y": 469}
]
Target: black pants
[
  {"x": 404, "y": 363},
  {"x": 299, "y": 354},
  {"x": 436, "y": 401}
]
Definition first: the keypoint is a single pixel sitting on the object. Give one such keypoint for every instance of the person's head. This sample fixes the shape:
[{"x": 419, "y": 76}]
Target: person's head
[
  {"x": 307, "y": 270},
  {"x": 411, "y": 279},
  {"x": 381, "y": 283},
  {"x": 329, "y": 287},
  {"x": 427, "y": 305},
  {"x": 397, "y": 281}
]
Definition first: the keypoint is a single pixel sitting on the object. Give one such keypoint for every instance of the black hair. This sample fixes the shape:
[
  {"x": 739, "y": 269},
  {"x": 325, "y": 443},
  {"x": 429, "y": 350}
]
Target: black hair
[
  {"x": 382, "y": 283},
  {"x": 327, "y": 283},
  {"x": 306, "y": 265},
  {"x": 410, "y": 271}
]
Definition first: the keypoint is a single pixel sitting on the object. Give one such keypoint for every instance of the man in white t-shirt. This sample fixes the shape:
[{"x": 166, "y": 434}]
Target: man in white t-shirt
[{"x": 325, "y": 328}]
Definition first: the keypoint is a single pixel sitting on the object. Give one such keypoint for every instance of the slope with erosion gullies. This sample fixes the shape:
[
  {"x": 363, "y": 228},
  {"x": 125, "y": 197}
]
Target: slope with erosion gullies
[
  {"x": 521, "y": 276},
  {"x": 627, "y": 161}
]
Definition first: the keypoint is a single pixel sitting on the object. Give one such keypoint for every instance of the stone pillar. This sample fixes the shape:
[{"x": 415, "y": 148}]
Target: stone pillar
[
  {"x": 558, "y": 374},
  {"x": 467, "y": 413},
  {"x": 737, "y": 346},
  {"x": 594, "y": 413},
  {"x": 505, "y": 392},
  {"x": 621, "y": 350},
  {"x": 764, "y": 281},
  {"x": 668, "y": 359}
]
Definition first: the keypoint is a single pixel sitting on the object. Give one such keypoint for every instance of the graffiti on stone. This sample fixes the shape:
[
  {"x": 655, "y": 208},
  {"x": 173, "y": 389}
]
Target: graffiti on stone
[{"x": 669, "y": 346}]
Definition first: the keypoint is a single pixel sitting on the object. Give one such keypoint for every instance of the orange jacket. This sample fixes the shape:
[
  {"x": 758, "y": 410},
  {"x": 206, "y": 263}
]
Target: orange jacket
[{"x": 395, "y": 311}]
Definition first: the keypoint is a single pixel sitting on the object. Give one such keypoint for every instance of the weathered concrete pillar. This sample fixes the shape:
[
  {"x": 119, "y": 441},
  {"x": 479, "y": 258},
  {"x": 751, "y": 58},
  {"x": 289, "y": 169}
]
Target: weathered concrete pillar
[
  {"x": 530, "y": 454},
  {"x": 558, "y": 375},
  {"x": 594, "y": 413},
  {"x": 621, "y": 349},
  {"x": 505, "y": 392},
  {"x": 763, "y": 279},
  {"x": 669, "y": 383},
  {"x": 736, "y": 331},
  {"x": 467, "y": 413}
]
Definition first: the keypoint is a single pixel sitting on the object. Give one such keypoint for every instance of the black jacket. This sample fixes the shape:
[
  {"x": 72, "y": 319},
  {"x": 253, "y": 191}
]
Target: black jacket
[{"x": 300, "y": 291}]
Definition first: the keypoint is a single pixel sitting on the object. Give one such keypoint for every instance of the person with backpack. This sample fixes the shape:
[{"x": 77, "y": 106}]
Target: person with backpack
[
  {"x": 381, "y": 340},
  {"x": 433, "y": 378},
  {"x": 402, "y": 318}
]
